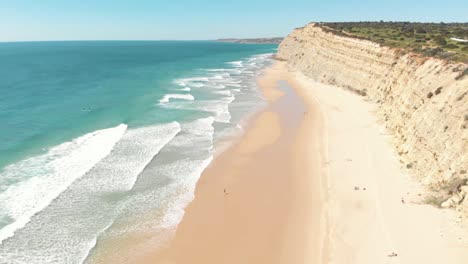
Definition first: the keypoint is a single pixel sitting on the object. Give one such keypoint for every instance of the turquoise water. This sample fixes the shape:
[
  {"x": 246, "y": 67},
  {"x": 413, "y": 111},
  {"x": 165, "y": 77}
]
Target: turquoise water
[
  {"x": 46, "y": 85},
  {"x": 115, "y": 127}
]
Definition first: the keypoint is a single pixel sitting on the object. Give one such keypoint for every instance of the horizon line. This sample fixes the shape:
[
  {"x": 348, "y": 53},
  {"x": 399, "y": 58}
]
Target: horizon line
[{"x": 104, "y": 40}]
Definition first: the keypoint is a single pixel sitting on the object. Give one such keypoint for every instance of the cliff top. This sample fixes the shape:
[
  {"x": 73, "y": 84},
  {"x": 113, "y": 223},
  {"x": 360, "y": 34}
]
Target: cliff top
[{"x": 441, "y": 40}]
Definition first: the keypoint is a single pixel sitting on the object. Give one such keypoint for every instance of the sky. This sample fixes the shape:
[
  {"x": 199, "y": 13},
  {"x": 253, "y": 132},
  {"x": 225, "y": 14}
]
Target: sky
[{"x": 39, "y": 20}]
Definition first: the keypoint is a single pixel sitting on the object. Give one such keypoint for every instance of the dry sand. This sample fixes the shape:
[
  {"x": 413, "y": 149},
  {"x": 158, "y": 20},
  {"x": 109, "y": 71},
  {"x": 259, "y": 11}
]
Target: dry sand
[
  {"x": 314, "y": 179},
  {"x": 373, "y": 209}
]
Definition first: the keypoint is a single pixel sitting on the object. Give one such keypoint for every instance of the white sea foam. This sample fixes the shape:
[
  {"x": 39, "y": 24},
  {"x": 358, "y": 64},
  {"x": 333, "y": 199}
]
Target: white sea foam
[
  {"x": 180, "y": 82},
  {"x": 185, "y": 81},
  {"x": 220, "y": 76},
  {"x": 197, "y": 79},
  {"x": 185, "y": 172},
  {"x": 168, "y": 97},
  {"x": 217, "y": 86},
  {"x": 93, "y": 242},
  {"x": 236, "y": 63},
  {"x": 214, "y": 83},
  {"x": 222, "y": 110},
  {"x": 223, "y": 92},
  {"x": 219, "y": 107},
  {"x": 200, "y": 129},
  {"x": 48, "y": 175},
  {"x": 230, "y": 71},
  {"x": 217, "y": 83},
  {"x": 164, "y": 188},
  {"x": 131, "y": 154},
  {"x": 42, "y": 242},
  {"x": 191, "y": 169},
  {"x": 196, "y": 85}
]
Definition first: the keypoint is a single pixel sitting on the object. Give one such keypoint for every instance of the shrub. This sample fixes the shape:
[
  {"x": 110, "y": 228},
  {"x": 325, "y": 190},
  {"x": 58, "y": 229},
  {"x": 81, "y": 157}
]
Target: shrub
[
  {"x": 448, "y": 56},
  {"x": 460, "y": 76},
  {"x": 451, "y": 46},
  {"x": 433, "y": 52},
  {"x": 410, "y": 36},
  {"x": 421, "y": 31},
  {"x": 440, "y": 40}
]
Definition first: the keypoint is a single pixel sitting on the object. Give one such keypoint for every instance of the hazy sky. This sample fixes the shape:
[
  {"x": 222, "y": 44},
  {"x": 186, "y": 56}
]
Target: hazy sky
[{"x": 201, "y": 19}]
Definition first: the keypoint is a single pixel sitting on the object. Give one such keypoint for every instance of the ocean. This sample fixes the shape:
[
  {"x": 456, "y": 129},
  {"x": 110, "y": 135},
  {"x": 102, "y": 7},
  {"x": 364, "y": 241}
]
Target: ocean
[{"x": 104, "y": 141}]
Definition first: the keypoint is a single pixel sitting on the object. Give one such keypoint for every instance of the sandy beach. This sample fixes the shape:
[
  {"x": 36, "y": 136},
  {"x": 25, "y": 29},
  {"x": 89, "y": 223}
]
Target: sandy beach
[
  {"x": 314, "y": 179},
  {"x": 256, "y": 203},
  {"x": 375, "y": 211}
]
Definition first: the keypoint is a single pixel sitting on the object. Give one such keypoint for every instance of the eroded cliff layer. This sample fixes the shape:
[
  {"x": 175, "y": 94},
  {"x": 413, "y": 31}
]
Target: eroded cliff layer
[{"x": 422, "y": 101}]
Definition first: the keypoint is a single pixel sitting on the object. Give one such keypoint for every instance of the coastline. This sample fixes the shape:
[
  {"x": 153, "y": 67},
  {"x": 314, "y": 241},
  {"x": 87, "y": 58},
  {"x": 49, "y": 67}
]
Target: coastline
[
  {"x": 133, "y": 155},
  {"x": 314, "y": 179}
]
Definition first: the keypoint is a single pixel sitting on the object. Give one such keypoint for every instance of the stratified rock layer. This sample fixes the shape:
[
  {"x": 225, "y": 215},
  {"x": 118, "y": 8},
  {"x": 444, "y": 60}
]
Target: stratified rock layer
[{"x": 422, "y": 101}]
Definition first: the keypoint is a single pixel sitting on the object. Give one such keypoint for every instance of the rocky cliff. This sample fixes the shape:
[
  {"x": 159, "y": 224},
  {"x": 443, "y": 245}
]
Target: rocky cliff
[{"x": 422, "y": 101}]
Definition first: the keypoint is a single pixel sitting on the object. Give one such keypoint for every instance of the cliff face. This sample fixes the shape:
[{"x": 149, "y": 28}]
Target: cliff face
[{"x": 422, "y": 101}]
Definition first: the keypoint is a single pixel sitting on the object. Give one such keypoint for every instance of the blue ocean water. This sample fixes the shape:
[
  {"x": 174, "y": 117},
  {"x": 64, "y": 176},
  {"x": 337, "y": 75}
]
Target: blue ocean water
[{"x": 97, "y": 134}]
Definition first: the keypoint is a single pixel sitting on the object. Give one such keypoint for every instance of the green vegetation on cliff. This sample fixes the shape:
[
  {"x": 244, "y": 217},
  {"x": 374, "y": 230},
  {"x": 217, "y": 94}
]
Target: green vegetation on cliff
[{"x": 441, "y": 40}]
